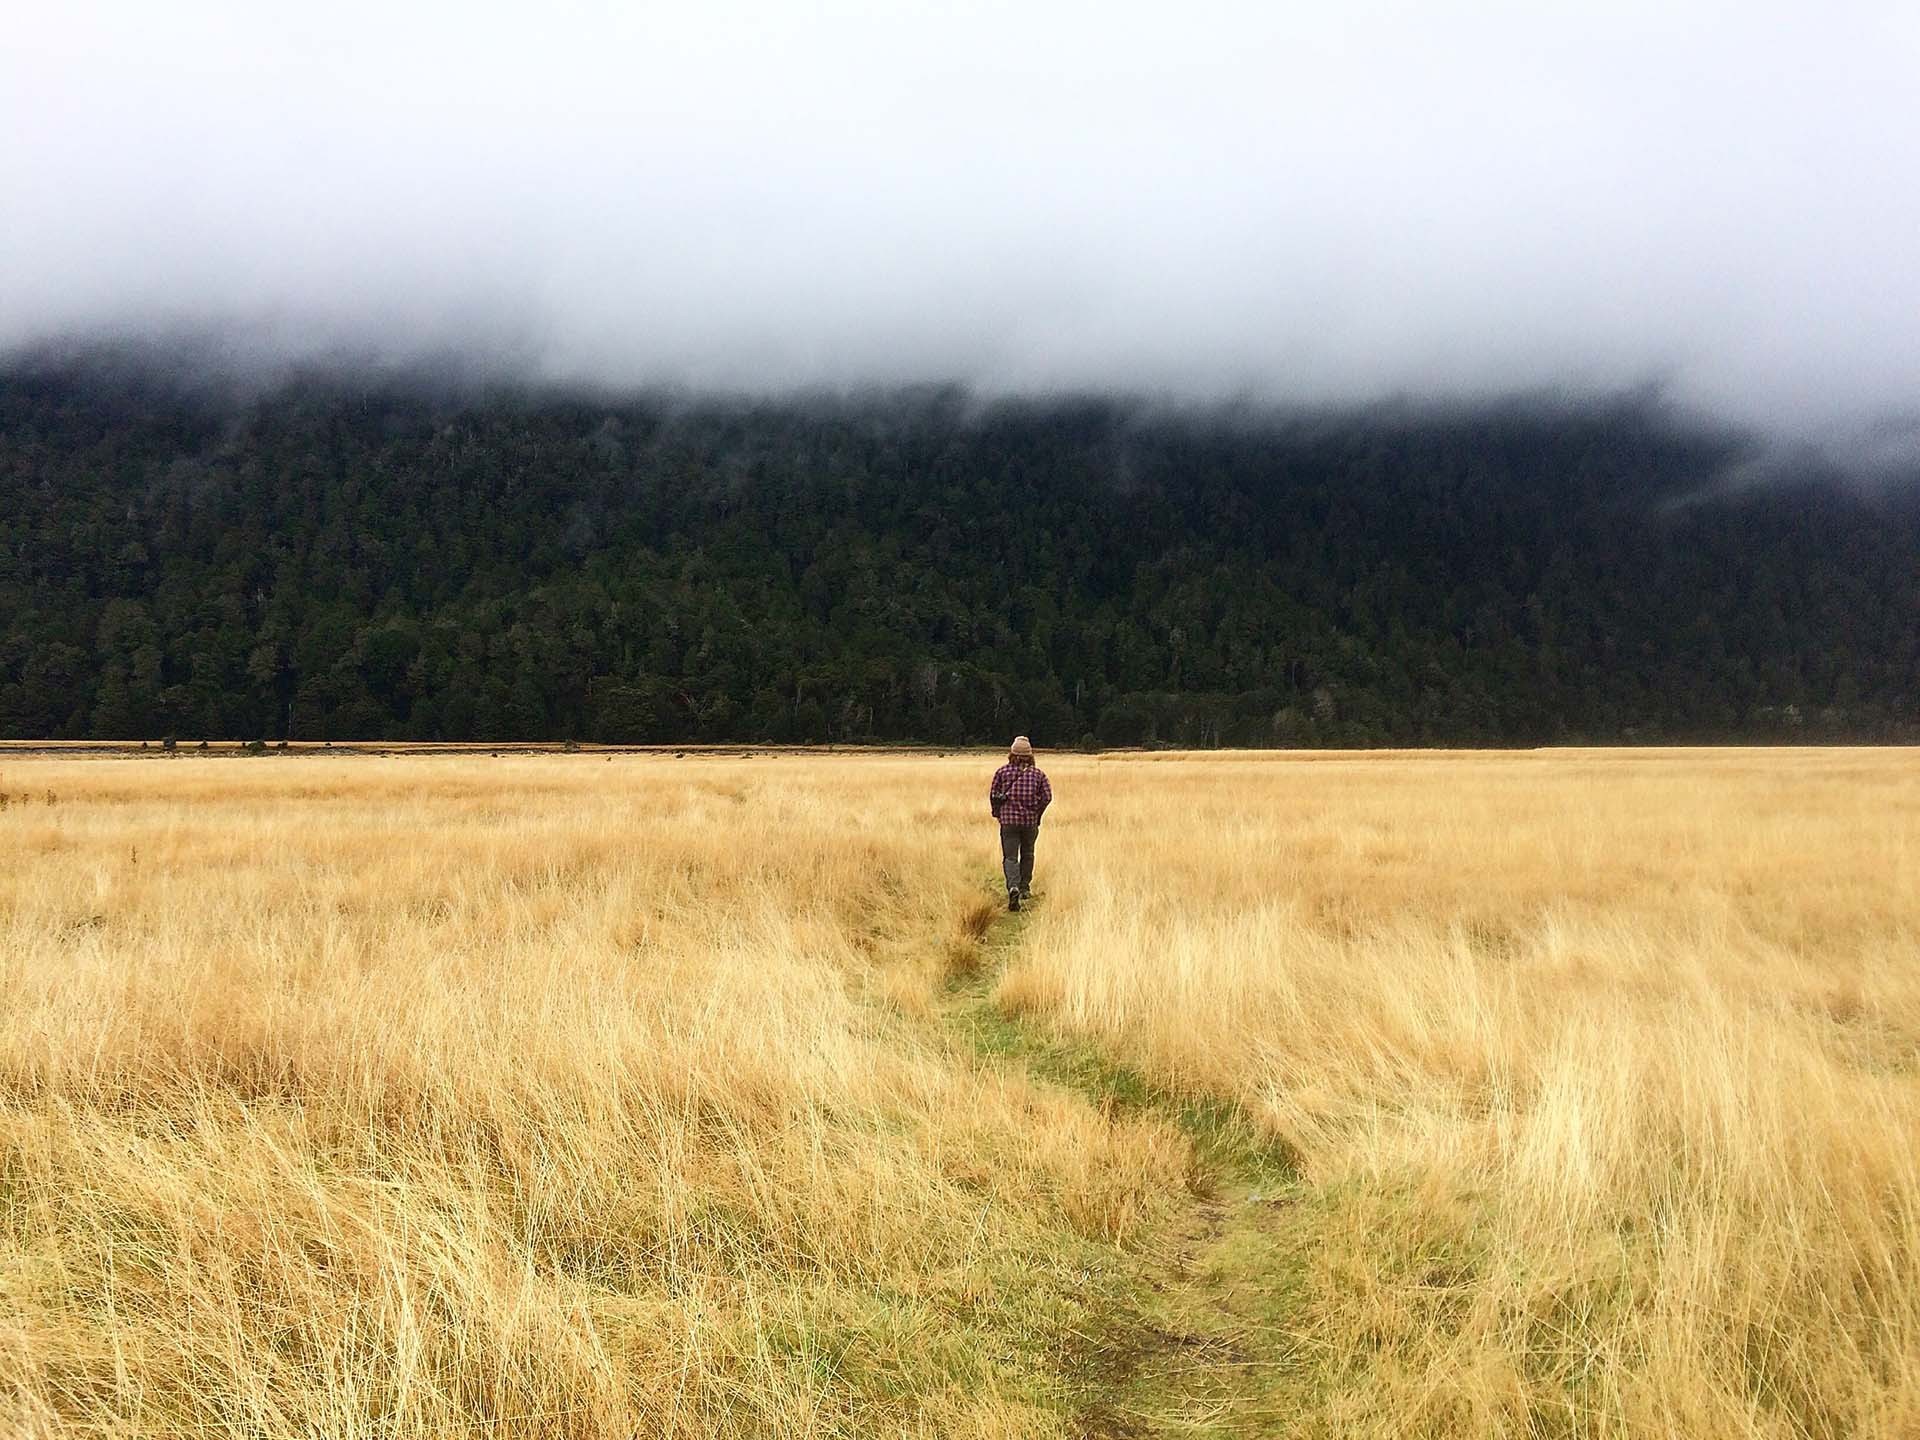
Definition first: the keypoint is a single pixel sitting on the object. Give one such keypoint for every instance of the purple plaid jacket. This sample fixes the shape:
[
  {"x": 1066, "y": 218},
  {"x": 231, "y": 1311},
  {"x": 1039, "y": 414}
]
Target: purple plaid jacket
[{"x": 1027, "y": 791}]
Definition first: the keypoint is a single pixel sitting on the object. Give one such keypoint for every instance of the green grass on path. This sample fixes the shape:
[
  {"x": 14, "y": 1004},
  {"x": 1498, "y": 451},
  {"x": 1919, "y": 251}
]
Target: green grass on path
[{"x": 1193, "y": 1330}]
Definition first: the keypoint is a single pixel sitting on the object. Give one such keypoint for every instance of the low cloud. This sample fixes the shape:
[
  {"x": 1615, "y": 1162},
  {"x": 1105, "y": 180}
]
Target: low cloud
[{"x": 1281, "y": 203}]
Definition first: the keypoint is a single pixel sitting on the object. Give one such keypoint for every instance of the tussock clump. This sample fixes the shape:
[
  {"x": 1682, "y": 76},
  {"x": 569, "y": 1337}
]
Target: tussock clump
[
  {"x": 978, "y": 918},
  {"x": 965, "y": 951}
]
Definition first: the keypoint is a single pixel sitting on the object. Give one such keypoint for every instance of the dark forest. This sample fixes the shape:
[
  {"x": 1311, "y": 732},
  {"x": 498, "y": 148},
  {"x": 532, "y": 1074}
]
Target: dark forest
[{"x": 398, "y": 559}]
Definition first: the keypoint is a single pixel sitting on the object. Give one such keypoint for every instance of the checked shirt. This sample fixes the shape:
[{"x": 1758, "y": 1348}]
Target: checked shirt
[{"x": 1028, "y": 793}]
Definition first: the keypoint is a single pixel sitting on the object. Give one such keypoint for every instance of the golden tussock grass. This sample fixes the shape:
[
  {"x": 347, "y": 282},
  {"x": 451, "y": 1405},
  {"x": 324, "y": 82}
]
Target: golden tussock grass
[
  {"x": 1602, "y": 1069},
  {"x": 550, "y": 1095},
  {"x": 534, "y": 1097}
]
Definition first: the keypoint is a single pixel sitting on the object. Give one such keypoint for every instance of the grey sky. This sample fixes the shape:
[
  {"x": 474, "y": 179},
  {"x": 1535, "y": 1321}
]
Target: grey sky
[{"x": 1312, "y": 201}]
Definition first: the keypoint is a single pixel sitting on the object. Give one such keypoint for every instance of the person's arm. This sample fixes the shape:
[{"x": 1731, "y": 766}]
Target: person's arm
[
  {"x": 994, "y": 792},
  {"x": 1046, "y": 792}
]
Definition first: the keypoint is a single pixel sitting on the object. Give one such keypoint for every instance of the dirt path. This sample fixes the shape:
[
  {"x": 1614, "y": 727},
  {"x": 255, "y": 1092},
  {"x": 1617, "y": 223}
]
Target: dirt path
[{"x": 1207, "y": 1342}]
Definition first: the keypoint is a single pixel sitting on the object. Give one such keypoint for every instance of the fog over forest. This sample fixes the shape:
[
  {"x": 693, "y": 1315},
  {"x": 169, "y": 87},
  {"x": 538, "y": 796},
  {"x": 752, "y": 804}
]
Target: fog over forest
[
  {"x": 1474, "y": 372},
  {"x": 1235, "y": 200}
]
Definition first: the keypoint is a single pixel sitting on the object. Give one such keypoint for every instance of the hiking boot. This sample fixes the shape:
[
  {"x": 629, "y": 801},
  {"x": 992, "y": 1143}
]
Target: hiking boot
[{"x": 1013, "y": 900}]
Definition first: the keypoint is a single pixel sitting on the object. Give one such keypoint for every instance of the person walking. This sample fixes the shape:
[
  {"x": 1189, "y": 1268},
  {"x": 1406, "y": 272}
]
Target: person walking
[{"x": 1018, "y": 797}]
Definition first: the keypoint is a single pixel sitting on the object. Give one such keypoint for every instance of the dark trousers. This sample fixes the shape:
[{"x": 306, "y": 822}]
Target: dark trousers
[{"x": 1016, "y": 856}]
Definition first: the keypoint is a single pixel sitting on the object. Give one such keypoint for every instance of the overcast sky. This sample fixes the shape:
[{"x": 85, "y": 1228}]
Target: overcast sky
[{"x": 1327, "y": 200}]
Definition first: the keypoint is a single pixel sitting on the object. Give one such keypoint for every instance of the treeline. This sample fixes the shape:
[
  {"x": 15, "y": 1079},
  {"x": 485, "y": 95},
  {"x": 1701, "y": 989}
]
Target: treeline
[{"x": 405, "y": 560}]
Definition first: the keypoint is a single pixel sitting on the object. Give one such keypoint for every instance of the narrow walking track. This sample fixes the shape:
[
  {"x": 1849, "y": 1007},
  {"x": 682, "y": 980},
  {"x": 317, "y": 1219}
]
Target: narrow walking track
[{"x": 1207, "y": 1341}]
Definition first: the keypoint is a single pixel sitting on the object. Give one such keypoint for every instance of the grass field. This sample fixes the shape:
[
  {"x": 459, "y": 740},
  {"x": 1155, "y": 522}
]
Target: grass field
[{"x": 1573, "y": 1093}]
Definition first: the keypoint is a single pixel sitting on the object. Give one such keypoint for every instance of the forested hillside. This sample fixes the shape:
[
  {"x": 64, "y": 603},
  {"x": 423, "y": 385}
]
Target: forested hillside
[{"x": 396, "y": 559}]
